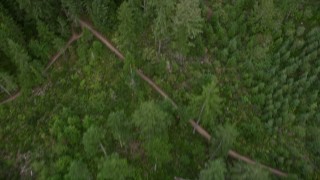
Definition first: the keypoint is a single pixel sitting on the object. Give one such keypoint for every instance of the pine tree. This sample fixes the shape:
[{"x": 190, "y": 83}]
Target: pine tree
[
  {"x": 207, "y": 106},
  {"x": 162, "y": 23},
  {"x": 187, "y": 24},
  {"x": 128, "y": 29}
]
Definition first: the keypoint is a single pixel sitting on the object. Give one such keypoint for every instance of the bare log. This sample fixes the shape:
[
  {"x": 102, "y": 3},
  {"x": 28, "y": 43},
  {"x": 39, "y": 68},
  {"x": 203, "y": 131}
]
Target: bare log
[
  {"x": 200, "y": 130},
  {"x": 105, "y": 41},
  {"x": 5, "y": 90},
  {"x": 234, "y": 154},
  {"x": 72, "y": 39},
  {"x": 197, "y": 127},
  {"x": 11, "y": 98},
  {"x": 156, "y": 87}
]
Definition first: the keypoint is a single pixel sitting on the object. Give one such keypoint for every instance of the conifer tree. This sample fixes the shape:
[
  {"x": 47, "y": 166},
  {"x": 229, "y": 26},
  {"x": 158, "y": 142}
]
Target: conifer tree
[
  {"x": 207, "y": 106},
  {"x": 187, "y": 24},
  {"x": 128, "y": 29}
]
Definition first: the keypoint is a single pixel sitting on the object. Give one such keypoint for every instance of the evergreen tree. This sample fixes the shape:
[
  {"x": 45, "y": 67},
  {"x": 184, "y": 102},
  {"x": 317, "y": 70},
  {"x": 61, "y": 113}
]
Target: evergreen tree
[
  {"x": 128, "y": 29},
  {"x": 207, "y": 106},
  {"x": 187, "y": 24}
]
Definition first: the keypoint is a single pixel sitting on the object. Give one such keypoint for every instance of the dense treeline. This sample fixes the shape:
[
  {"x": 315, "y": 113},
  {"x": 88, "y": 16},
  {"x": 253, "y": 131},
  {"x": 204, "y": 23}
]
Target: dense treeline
[{"x": 246, "y": 71}]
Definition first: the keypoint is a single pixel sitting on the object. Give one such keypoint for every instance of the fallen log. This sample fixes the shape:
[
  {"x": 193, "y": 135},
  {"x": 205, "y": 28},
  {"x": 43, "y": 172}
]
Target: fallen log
[
  {"x": 72, "y": 39},
  {"x": 197, "y": 127},
  {"x": 234, "y": 154},
  {"x": 121, "y": 57},
  {"x": 11, "y": 98}
]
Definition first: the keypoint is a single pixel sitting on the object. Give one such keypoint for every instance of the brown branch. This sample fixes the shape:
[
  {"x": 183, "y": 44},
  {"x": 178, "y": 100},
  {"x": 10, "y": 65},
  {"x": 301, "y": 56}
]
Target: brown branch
[
  {"x": 11, "y": 98},
  {"x": 234, "y": 154},
  {"x": 72, "y": 39}
]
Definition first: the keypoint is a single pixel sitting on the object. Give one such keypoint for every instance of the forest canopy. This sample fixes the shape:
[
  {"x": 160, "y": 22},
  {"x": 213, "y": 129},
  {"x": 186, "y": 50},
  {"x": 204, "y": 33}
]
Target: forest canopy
[{"x": 159, "y": 89}]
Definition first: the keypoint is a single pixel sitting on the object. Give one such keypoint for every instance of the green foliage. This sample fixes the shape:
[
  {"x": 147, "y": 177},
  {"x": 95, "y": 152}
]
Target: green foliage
[
  {"x": 127, "y": 33},
  {"x": 151, "y": 120},
  {"x": 246, "y": 70},
  {"x": 91, "y": 140},
  {"x": 207, "y": 106},
  {"x": 265, "y": 16},
  {"x": 113, "y": 167},
  {"x": 7, "y": 83},
  {"x": 162, "y": 23},
  {"x": 9, "y": 30},
  {"x": 120, "y": 126},
  {"x": 76, "y": 8},
  {"x": 158, "y": 151},
  {"x": 103, "y": 14},
  {"x": 187, "y": 24},
  {"x": 215, "y": 170},
  {"x": 243, "y": 171},
  {"x": 78, "y": 170},
  {"x": 66, "y": 128},
  {"x": 224, "y": 139},
  {"x": 188, "y": 18}
]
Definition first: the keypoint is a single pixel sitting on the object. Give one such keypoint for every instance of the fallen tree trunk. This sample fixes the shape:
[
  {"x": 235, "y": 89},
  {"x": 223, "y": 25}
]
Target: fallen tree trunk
[
  {"x": 121, "y": 57},
  {"x": 72, "y": 39},
  {"x": 11, "y": 98},
  {"x": 197, "y": 127},
  {"x": 234, "y": 154}
]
